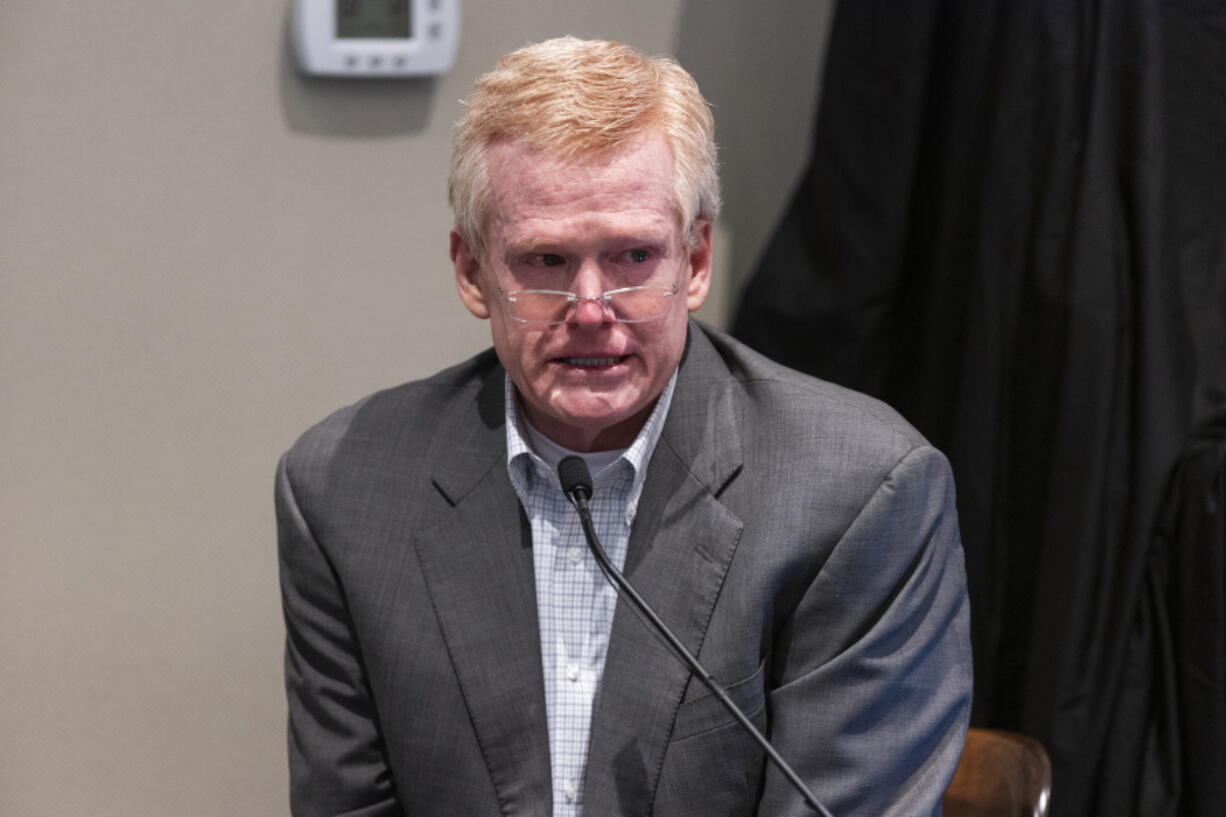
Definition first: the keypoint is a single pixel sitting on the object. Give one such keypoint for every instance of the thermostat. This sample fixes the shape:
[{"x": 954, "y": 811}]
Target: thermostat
[{"x": 375, "y": 38}]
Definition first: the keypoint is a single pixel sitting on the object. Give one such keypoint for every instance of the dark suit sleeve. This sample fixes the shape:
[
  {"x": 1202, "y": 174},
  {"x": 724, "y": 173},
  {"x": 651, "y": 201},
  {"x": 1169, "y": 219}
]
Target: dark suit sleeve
[
  {"x": 336, "y": 756},
  {"x": 873, "y": 669}
]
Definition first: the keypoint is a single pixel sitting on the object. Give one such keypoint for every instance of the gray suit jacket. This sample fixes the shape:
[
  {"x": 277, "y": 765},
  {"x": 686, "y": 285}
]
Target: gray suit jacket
[{"x": 800, "y": 538}]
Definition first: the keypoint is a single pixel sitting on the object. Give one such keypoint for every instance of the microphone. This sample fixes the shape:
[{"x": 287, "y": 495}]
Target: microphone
[{"x": 577, "y": 485}]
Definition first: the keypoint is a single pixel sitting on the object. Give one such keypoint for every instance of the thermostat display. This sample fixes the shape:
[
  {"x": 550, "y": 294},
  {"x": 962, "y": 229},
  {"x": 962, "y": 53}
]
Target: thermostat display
[
  {"x": 374, "y": 19},
  {"x": 375, "y": 38}
]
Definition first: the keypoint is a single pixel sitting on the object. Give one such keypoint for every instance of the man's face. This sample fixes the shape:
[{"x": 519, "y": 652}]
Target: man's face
[{"x": 586, "y": 226}]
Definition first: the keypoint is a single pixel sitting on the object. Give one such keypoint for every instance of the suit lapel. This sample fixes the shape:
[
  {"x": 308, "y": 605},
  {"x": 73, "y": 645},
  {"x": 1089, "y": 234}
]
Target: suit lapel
[
  {"x": 477, "y": 564},
  {"x": 680, "y": 549}
]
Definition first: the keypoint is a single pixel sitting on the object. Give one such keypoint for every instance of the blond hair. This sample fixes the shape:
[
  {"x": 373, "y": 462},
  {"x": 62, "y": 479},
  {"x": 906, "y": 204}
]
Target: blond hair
[{"x": 576, "y": 97}]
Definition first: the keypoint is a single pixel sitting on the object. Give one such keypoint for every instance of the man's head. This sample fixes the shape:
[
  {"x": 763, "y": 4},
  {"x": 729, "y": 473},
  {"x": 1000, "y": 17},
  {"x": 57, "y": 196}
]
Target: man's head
[
  {"x": 572, "y": 98},
  {"x": 585, "y": 168}
]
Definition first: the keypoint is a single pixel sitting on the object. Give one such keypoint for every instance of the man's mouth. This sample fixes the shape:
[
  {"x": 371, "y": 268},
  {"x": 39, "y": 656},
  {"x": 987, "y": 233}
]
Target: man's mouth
[{"x": 594, "y": 362}]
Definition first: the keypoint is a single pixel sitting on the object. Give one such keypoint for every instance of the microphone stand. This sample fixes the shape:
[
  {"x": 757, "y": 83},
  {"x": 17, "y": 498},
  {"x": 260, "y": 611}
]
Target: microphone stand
[{"x": 577, "y": 485}]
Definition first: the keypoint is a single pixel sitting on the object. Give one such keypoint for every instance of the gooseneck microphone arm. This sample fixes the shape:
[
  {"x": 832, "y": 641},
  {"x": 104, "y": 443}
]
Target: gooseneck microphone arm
[{"x": 577, "y": 485}]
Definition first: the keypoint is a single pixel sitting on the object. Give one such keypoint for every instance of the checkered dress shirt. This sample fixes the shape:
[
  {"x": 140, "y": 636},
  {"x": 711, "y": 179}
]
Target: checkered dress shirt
[{"x": 574, "y": 602}]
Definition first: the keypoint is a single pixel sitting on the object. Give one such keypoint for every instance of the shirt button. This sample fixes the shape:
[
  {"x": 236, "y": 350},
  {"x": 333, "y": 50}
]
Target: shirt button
[
  {"x": 571, "y": 790},
  {"x": 575, "y": 555},
  {"x": 572, "y": 672}
]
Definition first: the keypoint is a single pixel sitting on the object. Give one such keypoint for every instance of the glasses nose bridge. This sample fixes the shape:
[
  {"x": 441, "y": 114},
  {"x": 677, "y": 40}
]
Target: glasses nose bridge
[{"x": 603, "y": 306}]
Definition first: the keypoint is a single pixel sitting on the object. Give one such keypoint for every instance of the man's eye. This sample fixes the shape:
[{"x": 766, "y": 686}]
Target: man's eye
[
  {"x": 549, "y": 259},
  {"x": 639, "y": 256}
]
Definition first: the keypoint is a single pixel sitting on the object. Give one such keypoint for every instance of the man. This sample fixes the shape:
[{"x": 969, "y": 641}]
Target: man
[{"x": 452, "y": 647}]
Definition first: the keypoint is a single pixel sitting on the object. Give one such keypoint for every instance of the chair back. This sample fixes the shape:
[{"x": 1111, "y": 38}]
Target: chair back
[{"x": 1001, "y": 774}]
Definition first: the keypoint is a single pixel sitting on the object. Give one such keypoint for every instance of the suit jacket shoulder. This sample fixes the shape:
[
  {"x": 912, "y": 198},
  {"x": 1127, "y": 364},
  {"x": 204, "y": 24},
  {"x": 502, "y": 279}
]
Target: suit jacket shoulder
[
  {"x": 793, "y": 420},
  {"x": 412, "y": 434},
  {"x": 383, "y": 418}
]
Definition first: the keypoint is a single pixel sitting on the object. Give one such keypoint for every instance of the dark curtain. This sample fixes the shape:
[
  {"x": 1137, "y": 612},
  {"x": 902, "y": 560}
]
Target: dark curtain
[{"x": 1012, "y": 230}]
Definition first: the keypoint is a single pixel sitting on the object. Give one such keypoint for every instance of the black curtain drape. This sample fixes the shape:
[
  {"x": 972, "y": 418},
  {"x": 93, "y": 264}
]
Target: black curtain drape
[{"x": 1012, "y": 230}]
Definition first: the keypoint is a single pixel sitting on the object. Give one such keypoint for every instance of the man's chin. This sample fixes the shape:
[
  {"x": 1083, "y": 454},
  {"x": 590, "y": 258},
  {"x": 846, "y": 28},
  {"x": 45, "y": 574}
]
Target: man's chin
[
  {"x": 593, "y": 424},
  {"x": 590, "y": 422}
]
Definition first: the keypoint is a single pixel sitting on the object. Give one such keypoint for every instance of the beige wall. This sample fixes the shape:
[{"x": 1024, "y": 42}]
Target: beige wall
[{"x": 200, "y": 254}]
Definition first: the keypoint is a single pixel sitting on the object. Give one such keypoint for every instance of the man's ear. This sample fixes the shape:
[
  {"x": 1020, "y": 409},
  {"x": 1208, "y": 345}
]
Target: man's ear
[
  {"x": 468, "y": 275},
  {"x": 699, "y": 284}
]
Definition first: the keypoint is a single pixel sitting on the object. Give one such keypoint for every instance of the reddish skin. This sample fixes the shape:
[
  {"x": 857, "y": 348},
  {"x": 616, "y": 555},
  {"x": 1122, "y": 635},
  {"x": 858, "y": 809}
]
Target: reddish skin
[{"x": 585, "y": 225}]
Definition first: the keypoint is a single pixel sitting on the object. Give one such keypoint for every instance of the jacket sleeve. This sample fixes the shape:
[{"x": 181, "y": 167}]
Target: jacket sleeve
[
  {"x": 873, "y": 670},
  {"x": 337, "y": 761}
]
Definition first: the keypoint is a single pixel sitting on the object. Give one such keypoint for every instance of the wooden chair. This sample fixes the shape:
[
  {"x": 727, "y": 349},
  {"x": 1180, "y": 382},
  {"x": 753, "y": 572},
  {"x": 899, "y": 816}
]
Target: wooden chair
[{"x": 1001, "y": 774}]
